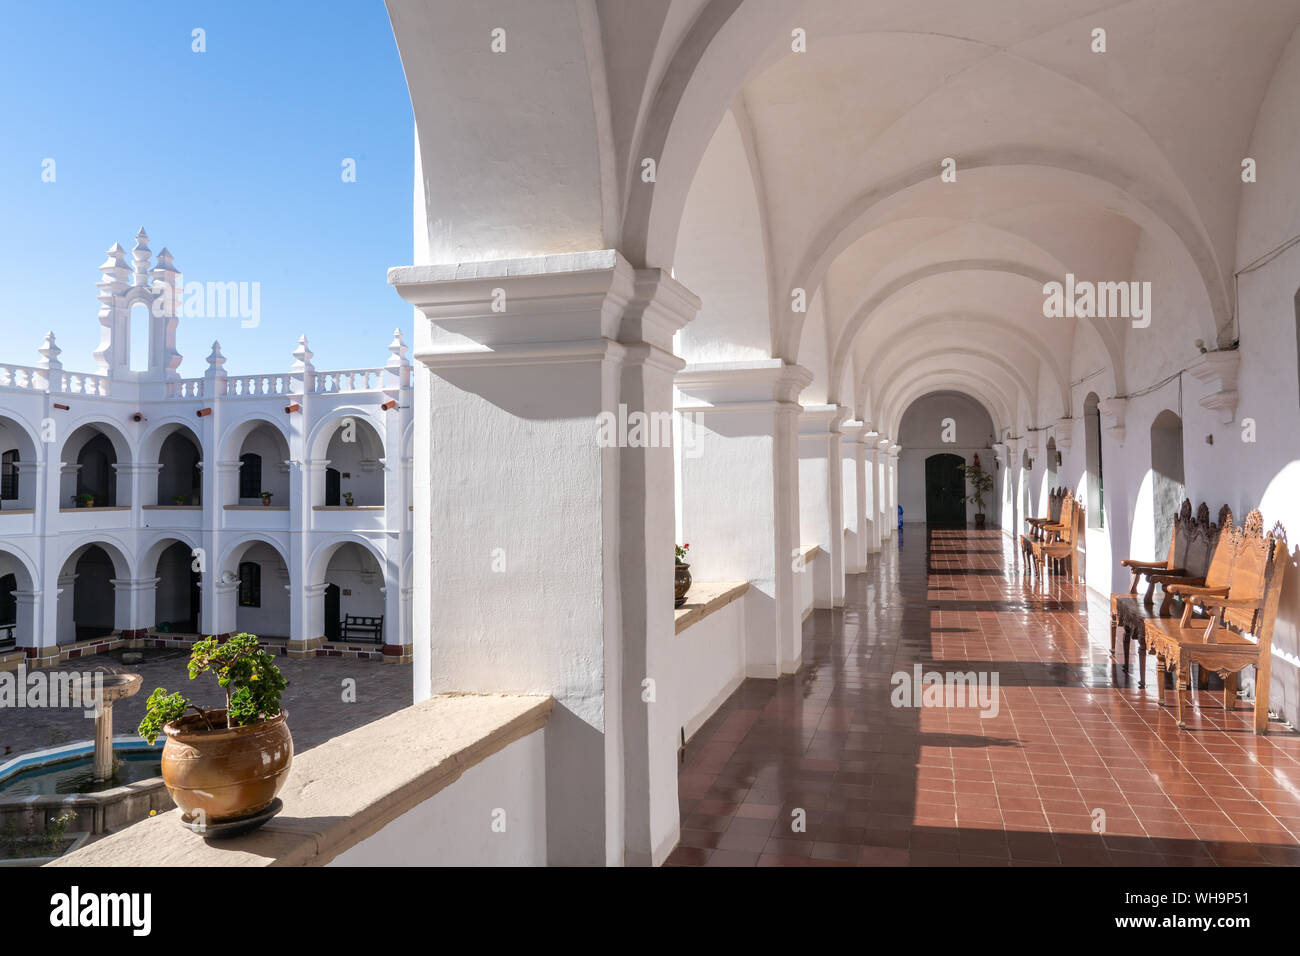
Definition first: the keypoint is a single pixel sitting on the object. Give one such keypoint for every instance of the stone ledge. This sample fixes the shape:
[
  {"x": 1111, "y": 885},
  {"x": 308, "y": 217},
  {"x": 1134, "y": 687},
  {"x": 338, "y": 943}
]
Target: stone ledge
[
  {"x": 706, "y": 597},
  {"x": 344, "y": 790}
]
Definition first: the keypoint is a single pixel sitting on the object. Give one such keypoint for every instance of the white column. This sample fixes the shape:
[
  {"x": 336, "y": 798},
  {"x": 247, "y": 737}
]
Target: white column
[
  {"x": 891, "y": 485},
  {"x": 821, "y": 498},
  {"x": 28, "y": 628},
  {"x": 857, "y": 536},
  {"x": 134, "y": 603},
  {"x": 871, "y": 498},
  {"x": 740, "y": 496},
  {"x": 553, "y": 572}
]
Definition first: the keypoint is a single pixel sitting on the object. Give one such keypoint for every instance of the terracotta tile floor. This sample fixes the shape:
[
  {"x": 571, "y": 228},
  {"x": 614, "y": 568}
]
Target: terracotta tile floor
[{"x": 1073, "y": 735}]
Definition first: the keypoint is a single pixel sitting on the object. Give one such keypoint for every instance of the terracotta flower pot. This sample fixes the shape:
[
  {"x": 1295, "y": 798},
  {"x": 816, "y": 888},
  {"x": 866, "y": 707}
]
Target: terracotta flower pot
[
  {"x": 226, "y": 774},
  {"x": 682, "y": 584},
  {"x": 979, "y": 522}
]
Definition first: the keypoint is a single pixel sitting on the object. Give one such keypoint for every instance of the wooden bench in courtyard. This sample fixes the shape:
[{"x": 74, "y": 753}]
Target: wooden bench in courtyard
[
  {"x": 1235, "y": 629},
  {"x": 369, "y": 630}
]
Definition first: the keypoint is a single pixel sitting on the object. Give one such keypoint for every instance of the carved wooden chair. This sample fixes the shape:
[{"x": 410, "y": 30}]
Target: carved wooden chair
[
  {"x": 1054, "y": 498},
  {"x": 1187, "y": 541},
  {"x": 1237, "y": 629},
  {"x": 1061, "y": 540}
]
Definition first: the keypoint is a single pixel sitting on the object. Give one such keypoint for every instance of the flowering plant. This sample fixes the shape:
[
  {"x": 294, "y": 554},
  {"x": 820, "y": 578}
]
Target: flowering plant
[
  {"x": 681, "y": 553},
  {"x": 245, "y": 671}
]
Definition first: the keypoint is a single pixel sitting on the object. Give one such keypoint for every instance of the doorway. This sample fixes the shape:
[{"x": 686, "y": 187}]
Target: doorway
[
  {"x": 332, "y": 619},
  {"x": 945, "y": 491}
]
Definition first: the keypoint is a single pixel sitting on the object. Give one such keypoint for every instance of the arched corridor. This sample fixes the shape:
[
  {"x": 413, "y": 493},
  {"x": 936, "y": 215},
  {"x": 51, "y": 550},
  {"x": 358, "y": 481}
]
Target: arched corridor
[
  {"x": 1051, "y": 738},
  {"x": 849, "y": 250}
]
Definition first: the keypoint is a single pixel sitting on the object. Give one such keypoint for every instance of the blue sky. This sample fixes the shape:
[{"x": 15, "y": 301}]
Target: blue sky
[{"x": 231, "y": 158}]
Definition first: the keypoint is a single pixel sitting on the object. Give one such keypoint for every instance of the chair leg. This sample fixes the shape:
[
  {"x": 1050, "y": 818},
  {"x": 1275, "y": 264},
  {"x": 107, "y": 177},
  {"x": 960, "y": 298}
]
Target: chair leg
[
  {"x": 1261, "y": 702},
  {"x": 1183, "y": 680},
  {"x": 1230, "y": 692},
  {"x": 1127, "y": 640}
]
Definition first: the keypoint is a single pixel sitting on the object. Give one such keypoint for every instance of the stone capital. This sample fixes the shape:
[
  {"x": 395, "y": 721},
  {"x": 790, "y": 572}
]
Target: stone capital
[{"x": 734, "y": 386}]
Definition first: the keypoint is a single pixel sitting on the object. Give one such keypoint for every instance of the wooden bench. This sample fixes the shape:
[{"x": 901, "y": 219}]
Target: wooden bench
[
  {"x": 1054, "y": 498},
  {"x": 369, "y": 630},
  {"x": 1236, "y": 629},
  {"x": 1191, "y": 542},
  {"x": 1060, "y": 540}
]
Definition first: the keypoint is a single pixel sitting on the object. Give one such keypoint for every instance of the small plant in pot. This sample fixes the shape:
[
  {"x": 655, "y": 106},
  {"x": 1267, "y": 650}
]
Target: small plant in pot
[
  {"x": 981, "y": 485},
  {"x": 85, "y": 500},
  {"x": 179, "y": 500},
  {"x": 682, "y": 582},
  {"x": 347, "y": 499},
  {"x": 222, "y": 767},
  {"x": 266, "y": 499}
]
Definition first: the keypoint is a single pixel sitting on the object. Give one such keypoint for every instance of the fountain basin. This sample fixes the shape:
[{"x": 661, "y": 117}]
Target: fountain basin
[{"x": 37, "y": 787}]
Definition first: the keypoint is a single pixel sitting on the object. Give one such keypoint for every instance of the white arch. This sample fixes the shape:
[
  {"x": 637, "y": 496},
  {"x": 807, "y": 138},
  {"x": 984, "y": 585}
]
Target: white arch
[
  {"x": 1027, "y": 337},
  {"x": 1142, "y": 203},
  {"x": 863, "y": 315}
]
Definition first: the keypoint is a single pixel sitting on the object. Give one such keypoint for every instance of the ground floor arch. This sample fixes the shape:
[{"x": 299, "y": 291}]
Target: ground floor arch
[{"x": 94, "y": 596}]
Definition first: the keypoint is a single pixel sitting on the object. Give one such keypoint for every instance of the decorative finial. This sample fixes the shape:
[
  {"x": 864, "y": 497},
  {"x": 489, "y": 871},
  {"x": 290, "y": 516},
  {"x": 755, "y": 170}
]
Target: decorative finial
[
  {"x": 215, "y": 359},
  {"x": 50, "y": 353},
  {"x": 398, "y": 349},
  {"x": 141, "y": 253},
  {"x": 302, "y": 356}
]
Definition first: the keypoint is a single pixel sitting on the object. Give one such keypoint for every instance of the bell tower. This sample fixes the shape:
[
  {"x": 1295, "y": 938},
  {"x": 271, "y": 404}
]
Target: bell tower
[{"x": 120, "y": 290}]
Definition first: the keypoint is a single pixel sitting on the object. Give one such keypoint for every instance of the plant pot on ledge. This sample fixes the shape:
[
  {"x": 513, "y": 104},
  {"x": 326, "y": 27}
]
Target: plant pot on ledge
[
  {"x": 682, "y": 584},
  {"x": 979, "y": 522},
  {"x": 224, "y": 768}
]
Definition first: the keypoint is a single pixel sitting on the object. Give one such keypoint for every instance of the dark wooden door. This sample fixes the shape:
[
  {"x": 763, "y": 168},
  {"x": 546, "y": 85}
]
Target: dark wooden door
[
  {"x": 945, "y": 490},
  {"x": 332, "y": 492},
  {"x": 332, "y": 617}
]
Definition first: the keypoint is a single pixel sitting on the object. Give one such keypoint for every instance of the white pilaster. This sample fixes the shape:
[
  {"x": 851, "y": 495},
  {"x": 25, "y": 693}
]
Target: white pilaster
[
  {"x": 551, "y": 570},
  {"x": 740, "y": 496},
  {"x": 821, "y": 498}
]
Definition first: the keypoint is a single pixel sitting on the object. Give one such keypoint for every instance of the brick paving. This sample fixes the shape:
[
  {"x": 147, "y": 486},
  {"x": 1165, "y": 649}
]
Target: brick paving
[
  {"x": 313, "y": 698},
  {"x": 881, "y": 785}
]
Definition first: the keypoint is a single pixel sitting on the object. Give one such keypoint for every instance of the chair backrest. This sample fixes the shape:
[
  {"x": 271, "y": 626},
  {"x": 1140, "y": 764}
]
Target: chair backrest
[
  {"x": 1279, "y": 558},
  {"x": 1200, "y": 535},
  {"x": 1251, "y": 561},
  {"x": 1069, "y": 518},
  {"x": 1180, "y": 536},
  {"x": 1054, "y": 501},
  {"x": 1216, "y": 574}
]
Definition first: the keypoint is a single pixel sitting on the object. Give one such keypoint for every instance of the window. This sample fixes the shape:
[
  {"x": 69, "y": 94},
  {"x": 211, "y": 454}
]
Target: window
[
  {"x": 9, "y": 474},
  {"x": 250, "y": 476},
  {"x": 250, "y": 584},
  {"x": 1092, "y": 451}
]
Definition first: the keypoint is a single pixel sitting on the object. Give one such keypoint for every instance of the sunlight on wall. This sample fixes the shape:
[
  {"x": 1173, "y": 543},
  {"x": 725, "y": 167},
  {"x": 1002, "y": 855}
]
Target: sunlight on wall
[{"x": 1142, "y": 543}]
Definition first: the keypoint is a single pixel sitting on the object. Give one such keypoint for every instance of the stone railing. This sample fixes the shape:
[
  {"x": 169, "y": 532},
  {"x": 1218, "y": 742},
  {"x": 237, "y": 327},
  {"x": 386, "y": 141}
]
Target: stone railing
[
  {"x": 185, "y": 388},
  {"x": 38, "y": 380},
  {"x": 349, "y": 380},
  {"x": 375, "y": 795},
  {"x": 257, "y": 386},
  {"x": 23, "y": 376}
]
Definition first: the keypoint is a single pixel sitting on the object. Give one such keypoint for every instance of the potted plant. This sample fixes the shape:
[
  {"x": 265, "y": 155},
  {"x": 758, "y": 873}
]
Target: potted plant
[
  {"x": 85, "y": 500},
  {"x": 682, "y": 581},
  {"x": 347, "y": 499},
  {"x": 224, "y": 766},
  {"x": 981, "y": 484},
  {"x": 179, "y": 499},
  {"x": 266, "y": 499}
]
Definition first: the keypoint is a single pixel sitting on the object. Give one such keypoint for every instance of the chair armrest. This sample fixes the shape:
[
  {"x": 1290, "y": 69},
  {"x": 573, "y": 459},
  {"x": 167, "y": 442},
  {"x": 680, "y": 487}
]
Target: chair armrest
[
  {"x": 1188, "y": 590},
  {"x": 1210, "y": 602},
  {"x": 1181, "y": 577},
  {"x": 1153, "y": 565}
]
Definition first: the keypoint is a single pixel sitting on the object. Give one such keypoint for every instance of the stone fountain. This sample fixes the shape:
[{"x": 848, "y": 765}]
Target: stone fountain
[{"x": 107, "y": 690}]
